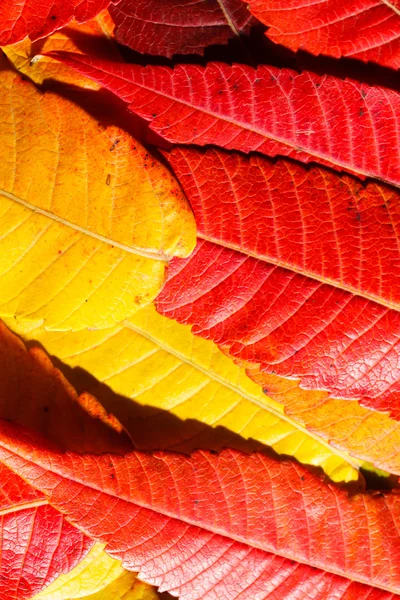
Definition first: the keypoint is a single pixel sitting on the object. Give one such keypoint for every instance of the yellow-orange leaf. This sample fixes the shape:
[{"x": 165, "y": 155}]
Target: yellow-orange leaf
[
  {"x": 98, "y": 577},
  {"x": 88, "y": 219},
  {"x": 162, "y": 365},
  {"x": 92, "y": 37},
  {"x": 346, "y": 425}
]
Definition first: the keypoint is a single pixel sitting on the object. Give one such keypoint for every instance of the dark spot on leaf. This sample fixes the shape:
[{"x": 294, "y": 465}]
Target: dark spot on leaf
[
  {"x": 361, "y": 112},
  {"x": 46, "y": 409},
  {"x": 108, "y": 180},
  {"x": 53, "y": 17},
  {"x": 112, "y": 476},
  {"x": 115, "y": 144}
]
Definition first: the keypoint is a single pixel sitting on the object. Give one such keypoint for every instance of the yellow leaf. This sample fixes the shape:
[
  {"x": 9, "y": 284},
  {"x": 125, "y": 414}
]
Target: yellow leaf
[
  {"x": 88, "y": 219},
  {"x": 161, "y": 364},
  {"x": 98, "y": 577}
]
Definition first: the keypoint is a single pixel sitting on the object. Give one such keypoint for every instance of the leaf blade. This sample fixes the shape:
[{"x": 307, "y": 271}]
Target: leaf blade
[{"x": 174, "y": 509}]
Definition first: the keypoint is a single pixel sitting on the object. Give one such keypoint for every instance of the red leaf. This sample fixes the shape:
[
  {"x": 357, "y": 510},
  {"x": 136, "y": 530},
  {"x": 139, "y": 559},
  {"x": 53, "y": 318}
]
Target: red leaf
[
  {"x": 315, "y": 249},
  {"x": 37, "y": 543},
  {"x": 364, "y": 29},
  {"x": 344, "y": 124},
  {"x": 228, "y": 526},
  {"x": 38, "y": 19},
  {"x": 170, "y": 27}
]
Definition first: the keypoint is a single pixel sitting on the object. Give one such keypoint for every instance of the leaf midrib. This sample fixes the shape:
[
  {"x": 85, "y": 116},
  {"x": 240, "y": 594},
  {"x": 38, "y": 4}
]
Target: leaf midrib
[
  {"x": 296, "y": 269},
  {"x": 391, "y": 6},
  {"x": 88, "y": 232}
]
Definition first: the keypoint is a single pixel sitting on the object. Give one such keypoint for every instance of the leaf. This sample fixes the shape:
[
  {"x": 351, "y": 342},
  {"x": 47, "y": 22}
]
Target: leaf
[
  {"x": 98, "y": 577},
  {"x": 161, "y": 365},
  {"x": 33, "y": 535},
  {"x": 35, "y": 394},
  {"x": 170, "y": 27},
  {"x": 365, "y": 29},
  {"x": 92, "y": 37},
  {"x": 89, "y": 218},
  {"x": 343, "y": 124},
  {"x": 28, "y": 18},
  {"x": 192, "y": 525},
  {"x": 315, "y": 250},
  {"x": 346, "y": 425}
]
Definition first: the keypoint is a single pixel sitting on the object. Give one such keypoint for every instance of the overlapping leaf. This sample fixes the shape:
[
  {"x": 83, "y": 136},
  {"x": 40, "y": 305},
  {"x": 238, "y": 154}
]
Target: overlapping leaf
[
  {"x": 35, "y": 394},
  {"x": 21, "y": 18},
  {"x": 93, "y": 37},
  {"x": 37, "y": 543},
  {"x": 98, "y": 577},
  {"x": 168, "y": 371},
  {"x": 192, "y": 526},
  {"x": 365, "y": 29},
  {"x": 88, "y": 217},
  {"x": 344, "y": 124},
  {"x": 344, "y": 424},
  {"x": 170, "y": 27},
  {"x": 296, "y": 298}
]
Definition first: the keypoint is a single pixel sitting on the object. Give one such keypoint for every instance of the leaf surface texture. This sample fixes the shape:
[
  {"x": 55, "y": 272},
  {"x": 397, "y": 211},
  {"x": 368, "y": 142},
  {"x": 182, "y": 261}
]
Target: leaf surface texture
[
  {"x": 170, "y": 27},
  {"x": 221, "y": 548},
  {"x": 37, "y": 543},
  {"x": 88, "y": 217},
  {"x": 275, "y": 289}
]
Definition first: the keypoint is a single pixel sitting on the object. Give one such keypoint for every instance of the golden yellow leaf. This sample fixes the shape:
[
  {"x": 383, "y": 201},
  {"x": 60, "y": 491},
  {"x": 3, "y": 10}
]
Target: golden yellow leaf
[
  {"x": 88, "y": 219},
  {"x": 98, "y": 577},
  {"x": 162, "y": 365}
]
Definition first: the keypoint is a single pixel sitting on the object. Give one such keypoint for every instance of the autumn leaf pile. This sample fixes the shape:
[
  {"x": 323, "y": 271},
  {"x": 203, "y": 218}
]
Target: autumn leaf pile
[{"x": 199, "y": 300}]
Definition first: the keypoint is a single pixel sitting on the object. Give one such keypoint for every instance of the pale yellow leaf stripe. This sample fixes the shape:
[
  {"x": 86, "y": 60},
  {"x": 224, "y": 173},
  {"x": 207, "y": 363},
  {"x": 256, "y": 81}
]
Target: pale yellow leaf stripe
[
  {"x": 88, "y": 217},
  {"x": 161, "y": 364}
]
